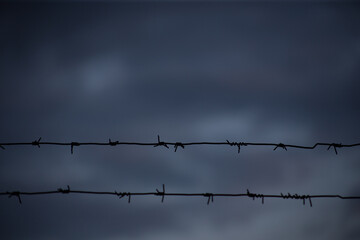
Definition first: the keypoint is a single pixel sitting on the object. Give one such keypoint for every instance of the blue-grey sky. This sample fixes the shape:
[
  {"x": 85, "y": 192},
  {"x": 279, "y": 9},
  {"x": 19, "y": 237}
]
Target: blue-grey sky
[{"x": 196, "y": 71}]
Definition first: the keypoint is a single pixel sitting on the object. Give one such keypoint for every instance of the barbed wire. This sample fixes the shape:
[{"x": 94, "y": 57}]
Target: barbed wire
[
  {"x": 159, "y": 143},
  {"x": 163, "y": 193}
]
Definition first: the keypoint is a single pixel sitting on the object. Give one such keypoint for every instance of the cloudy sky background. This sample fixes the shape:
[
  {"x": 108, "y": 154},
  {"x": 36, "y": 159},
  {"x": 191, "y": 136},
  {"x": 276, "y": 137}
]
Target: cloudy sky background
[{"x": 260, "y": 72}]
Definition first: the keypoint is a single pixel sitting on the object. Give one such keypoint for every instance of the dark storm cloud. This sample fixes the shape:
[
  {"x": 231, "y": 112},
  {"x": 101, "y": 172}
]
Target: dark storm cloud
[{"x": 190, "y": 72}]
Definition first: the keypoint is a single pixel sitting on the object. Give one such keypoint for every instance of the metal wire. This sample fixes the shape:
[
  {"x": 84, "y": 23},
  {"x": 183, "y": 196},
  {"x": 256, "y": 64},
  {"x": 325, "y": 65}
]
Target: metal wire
[
  {"x": 73, "y": 144},
  {"x": 210, "y": 196}
]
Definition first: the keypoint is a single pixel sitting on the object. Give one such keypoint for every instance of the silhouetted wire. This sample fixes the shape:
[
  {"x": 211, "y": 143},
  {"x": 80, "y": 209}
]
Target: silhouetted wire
[
  {"x": 163, "y": 193},
  {"x": 38, "y": 142}
]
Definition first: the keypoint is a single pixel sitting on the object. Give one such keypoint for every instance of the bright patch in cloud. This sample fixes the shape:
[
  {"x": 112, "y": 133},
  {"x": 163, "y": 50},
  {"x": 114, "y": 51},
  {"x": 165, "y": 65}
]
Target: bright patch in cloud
[{"x": 99, "y": 75}]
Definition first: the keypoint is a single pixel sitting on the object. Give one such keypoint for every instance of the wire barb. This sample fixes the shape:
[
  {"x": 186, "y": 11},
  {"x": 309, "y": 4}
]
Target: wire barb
[
  {"x": 64, "y": 190},
  {"x": 254, "y": 195},
  {"x": 210, "y": 196},
  {"x": 36, "y": 142},
  {"x": 113, "y": 143},
  {"x": 178, "y": 144},
  {"x": 72, "y": 146},
  {"x": 281, "y": 145},
  {"x": 123, "y": 194},
  {"x": 296, "y": 196},
  {"x": 238, "y": 144},
  {"x": 2, "y": 147},
  {"x": 335, "y": 145},
  {"x": 15, "y": 193},
  {"x": 161, "y": 193},
  {"x": 160, "y": 143}
]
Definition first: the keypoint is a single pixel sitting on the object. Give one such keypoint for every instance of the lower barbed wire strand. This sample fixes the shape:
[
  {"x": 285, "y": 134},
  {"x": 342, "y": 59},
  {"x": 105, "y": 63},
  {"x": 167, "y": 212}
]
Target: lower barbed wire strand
[{"x": 162, "y": 193}]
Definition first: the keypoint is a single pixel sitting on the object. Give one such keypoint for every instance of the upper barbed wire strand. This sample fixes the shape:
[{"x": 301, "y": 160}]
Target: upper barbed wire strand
[{"x": 177, "y": 144}]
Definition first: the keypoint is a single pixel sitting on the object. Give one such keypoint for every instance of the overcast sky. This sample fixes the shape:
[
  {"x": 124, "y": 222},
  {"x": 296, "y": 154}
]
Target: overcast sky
[{"x": 261, "y": 72}]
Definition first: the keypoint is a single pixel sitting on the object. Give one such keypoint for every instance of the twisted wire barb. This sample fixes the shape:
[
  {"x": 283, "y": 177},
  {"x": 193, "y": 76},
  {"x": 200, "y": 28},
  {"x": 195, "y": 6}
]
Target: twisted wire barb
[
  {"x": 177, "y": 144},
  {"x": 210, "y": 196}
]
